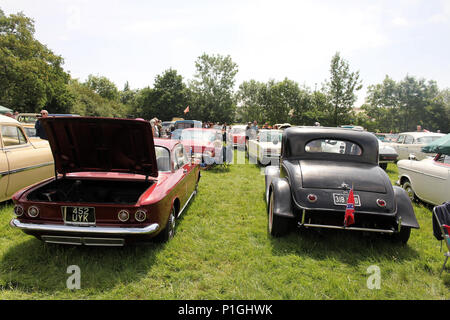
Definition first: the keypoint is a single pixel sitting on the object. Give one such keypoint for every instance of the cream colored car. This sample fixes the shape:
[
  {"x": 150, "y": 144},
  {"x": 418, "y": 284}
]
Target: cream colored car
[
  {"x": 23, "y": 160},
  {"x": 411, "y": 143},
  {"x": 428, "y": 179},
  {"x": 266, "y": 148}
]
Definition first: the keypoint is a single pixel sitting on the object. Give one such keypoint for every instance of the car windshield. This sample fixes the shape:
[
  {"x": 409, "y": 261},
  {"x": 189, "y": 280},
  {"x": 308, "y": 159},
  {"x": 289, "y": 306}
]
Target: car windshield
[
  {"x": 270, "y": 136},
  {"x": 27, "y": 119},
  {"x": 199, "y": 135},
  {"x": 162, "y": 158},
  {"x": 333, "y": 146},
  {"x": 427, "y": 139}
]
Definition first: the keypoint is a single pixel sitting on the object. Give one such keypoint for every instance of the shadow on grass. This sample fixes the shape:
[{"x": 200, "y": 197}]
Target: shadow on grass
[
  {"x": 349, "y": 247},
  {"x": 33, "y": 265}
]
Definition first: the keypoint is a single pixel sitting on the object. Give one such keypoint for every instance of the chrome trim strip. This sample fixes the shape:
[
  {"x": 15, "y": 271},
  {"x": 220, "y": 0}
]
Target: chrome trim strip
[
  {"x": 420, "y": 172},
  {"x": 187, "y": 202},
  {"x": 346, "y": 228},
  {"x": 15, "y": 223},
  {"x": 87, "y": 241},
  {"x": 5, "y": 173}
]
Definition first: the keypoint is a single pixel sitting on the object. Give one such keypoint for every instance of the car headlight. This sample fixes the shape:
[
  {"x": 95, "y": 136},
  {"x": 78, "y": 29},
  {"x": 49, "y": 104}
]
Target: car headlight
[
  {"x": 123, "y": 215},
  {"x": 33, "y": 211},
  {"x": 18, "y": 210},
  {"x": 140, "y": 215}
]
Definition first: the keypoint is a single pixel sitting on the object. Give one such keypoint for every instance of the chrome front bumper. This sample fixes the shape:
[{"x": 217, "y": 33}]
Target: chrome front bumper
[{"x": 47, "y": 231}]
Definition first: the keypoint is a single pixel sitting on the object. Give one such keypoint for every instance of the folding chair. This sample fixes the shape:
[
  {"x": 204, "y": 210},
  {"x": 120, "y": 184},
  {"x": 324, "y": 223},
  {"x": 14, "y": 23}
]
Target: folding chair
[{"x": 441, "y": 227}]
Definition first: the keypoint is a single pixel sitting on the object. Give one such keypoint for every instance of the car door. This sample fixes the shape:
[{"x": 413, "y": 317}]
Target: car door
[
  {"x": 438, "y": 175},
  {"x": 430, "y": 179},
  {"x": 26, "y": 164},
  {"x": 4, "y": 174},
  {"x": 181, "y": 172},
  {"x": 401, "y": 147},
  {"x": 408, "y": 146}
]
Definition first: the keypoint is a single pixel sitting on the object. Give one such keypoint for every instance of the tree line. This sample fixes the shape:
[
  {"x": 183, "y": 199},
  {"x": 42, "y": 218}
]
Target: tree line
[{"x": 32, "y": 78}]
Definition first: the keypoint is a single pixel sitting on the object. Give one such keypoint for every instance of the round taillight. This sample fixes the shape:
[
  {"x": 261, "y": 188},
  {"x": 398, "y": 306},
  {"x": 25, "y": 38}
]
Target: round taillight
[
  {"x": 140, "y": 215},
  {"x": 33, "y": 211},
  {"x": 18, "y": 210},
  {"x": 123, "y": 215},
  {"x": 381, "y": 203},
  {"x": 312, "y": 198}
]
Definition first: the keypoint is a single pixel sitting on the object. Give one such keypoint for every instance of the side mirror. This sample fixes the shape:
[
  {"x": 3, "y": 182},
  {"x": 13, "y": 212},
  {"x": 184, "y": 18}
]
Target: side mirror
[{"x": 412, "y": 156}]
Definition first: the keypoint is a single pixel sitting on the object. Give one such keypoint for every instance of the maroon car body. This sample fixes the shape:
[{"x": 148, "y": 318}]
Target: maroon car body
[{"x": 113, "y": 184}]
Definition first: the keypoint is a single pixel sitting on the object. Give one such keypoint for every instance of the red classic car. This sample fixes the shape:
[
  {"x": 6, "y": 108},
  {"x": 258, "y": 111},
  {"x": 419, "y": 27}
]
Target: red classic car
[
  {"x": 202, "y": 144},
  {"x": 237, "y": 136},
  {"x": 113, "y": 184}
]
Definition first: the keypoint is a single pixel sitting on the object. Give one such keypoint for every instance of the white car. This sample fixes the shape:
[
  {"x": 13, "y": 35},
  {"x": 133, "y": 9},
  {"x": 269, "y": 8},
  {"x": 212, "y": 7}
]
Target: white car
[
  {"x": 427, "y": 180},
  {"x": 386, "y": 154},
  {"x": 412, "y": 142},
  {"x": 266, "y": 148}
]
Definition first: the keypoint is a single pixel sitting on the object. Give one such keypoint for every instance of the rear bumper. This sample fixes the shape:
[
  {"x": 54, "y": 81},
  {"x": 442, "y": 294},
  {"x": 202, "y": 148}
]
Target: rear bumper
[{"x": 93, "y": 235}]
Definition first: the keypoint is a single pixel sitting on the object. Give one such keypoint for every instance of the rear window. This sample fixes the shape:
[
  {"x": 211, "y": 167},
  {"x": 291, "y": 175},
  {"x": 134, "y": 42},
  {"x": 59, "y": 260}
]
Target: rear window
[{"x": 333, "y": 146}]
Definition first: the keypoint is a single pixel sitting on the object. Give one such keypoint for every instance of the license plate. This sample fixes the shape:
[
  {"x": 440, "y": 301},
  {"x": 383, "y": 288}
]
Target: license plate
[
  {"x": 79, "y": 215},
  {"x": 341, "y": 199}
]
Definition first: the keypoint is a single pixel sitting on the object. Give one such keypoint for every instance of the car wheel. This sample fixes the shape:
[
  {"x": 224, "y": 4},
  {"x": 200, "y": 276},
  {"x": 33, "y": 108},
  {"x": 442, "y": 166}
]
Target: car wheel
[
  {"x": 402, "y": 236},
  {"x": 409, "y": 190},
  {"x": 169, "y": 231},
  {"x": 277, "y": 226}
]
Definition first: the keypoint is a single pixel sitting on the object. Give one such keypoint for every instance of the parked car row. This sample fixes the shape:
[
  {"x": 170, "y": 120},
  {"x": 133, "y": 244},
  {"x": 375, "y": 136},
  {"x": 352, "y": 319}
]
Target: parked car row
[{"x": 109, "y": 182}]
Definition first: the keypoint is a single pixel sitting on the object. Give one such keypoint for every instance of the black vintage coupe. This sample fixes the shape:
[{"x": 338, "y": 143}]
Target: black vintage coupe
[{"x": 318, "y": 168}]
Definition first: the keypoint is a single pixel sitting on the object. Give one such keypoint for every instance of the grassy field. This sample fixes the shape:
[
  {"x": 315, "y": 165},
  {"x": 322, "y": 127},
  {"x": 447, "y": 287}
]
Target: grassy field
[{"x": 221, "y": 250}]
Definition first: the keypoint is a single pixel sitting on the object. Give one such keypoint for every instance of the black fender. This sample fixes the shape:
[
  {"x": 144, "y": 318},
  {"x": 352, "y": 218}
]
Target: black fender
[
  {"x": 270, "y": 173},
  {"x": 405, "y": 210},
  {"x": 282, "y": 200}
]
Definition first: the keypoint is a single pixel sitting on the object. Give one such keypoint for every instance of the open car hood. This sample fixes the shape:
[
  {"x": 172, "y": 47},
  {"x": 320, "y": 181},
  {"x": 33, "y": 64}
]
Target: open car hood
[{"x": 87, "y": 144}]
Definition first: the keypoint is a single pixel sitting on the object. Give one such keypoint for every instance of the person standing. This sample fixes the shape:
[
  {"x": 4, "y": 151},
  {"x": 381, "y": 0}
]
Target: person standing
[{"x": 40, "y": 132}]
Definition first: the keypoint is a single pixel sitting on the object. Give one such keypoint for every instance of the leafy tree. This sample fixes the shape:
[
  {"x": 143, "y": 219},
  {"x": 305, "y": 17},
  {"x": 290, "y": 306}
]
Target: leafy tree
[
  {"x": 89, "y": 103},
  {"x": 212, "y": 89},
  {"x": 249, "y": 101},
  {"x": 341, "y": 88},
  {"x": 31, "y": 75},
  {"x": 401, "y": 106},
  {"x": 103, "y": 86},
  {"x": 167, "y": 99},
  {"x": 283, "y": 101}
]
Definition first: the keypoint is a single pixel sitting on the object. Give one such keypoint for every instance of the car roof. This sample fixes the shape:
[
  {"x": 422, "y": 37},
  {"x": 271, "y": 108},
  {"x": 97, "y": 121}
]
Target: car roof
[
  {"x": 202, "y": 129},
  {"x": 167, "y": 143},
  {"x": 6, "y": 119},
  {"x": 416, "y": 134},
  {"x": 295, "y": 139}
]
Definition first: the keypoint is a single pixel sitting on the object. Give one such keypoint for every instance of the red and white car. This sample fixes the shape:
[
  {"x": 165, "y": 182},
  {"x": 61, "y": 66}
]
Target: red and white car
[
  {"x": 204, "y": 145},
  {"x": 237, "y": 136},
  {"x": 113, "y": 184}
]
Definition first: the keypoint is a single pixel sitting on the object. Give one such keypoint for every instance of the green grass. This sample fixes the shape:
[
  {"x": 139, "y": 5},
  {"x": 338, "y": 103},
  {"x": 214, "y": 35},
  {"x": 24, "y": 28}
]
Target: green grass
[{"x": 221, "y": 250}]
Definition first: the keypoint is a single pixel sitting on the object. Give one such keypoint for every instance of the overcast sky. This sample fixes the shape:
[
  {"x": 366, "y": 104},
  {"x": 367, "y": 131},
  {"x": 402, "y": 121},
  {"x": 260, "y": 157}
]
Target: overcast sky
[{"x": 136, "y": 40}]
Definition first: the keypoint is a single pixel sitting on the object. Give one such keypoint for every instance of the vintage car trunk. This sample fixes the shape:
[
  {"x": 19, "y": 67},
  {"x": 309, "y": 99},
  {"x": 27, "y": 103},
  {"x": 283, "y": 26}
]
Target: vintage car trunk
[
  {"x": 329, "y": 180},
  {"x": 90, "y": 191}
]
